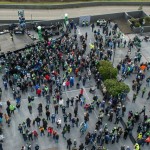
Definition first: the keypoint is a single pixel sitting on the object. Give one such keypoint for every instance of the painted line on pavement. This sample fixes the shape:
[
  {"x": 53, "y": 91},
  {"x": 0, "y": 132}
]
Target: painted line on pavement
[
  {"x": 76, "y": 90},
  {"x": 89, "y": 101}
]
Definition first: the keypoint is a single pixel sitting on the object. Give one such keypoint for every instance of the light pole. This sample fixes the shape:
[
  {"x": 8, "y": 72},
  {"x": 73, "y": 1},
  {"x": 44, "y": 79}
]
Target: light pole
[{"x": 39, "y": 33}]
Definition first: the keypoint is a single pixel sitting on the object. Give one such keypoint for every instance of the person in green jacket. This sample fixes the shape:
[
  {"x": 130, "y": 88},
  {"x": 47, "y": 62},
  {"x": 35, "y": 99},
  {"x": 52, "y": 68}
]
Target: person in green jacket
[
  {"x": 143, "y": 91},
  {"x": 12, "y": 108}
]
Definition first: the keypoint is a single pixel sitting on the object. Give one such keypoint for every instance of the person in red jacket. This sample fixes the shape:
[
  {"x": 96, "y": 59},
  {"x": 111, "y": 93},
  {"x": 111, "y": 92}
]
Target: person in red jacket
[
  {"x": 38, "y": 92},
  {"x": 50, "y": 131},
  {"x": 35, "y": 134},
  {"x": 81, "y": 93},
  {"x": 67, "y": 84}
]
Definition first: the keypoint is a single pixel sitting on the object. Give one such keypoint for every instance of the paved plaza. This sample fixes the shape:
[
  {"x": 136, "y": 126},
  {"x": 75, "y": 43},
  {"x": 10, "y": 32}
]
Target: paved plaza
[{"x": 13, "y": 139}]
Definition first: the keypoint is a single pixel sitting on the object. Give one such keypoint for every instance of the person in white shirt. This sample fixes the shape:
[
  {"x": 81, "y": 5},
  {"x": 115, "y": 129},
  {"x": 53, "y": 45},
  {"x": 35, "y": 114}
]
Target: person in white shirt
[
  {"x": 61, "y": 102},
  {"x": 58, "y": 123},
  {"x": 64, "y": 85}
]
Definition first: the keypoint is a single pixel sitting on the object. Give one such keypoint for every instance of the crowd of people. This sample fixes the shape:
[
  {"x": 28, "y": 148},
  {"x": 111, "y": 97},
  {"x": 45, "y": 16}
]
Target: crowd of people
[
  {"x": 52, "y": 67},
  {"x": 128, "y": 67}
]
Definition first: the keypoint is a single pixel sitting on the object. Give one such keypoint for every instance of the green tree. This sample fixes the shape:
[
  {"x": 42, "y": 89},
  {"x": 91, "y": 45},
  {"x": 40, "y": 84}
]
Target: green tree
[
  {"x": 107, "y": 70},
  {"x": 115, "y": 88}
]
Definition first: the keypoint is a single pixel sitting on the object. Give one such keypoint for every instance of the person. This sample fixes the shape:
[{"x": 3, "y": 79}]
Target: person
[
  {"x": 81, "y": 146},
  {"x": 48, "y": 115},
  {"x": 35, "y": 134},
  {"x": 67, "y": 102},
  {"x": 28, "y": 122},
  {"x": 37, "y": 147},
  {"x": 123, "y": 147},
  {"x": 69, "y": 143},
  {"x": 93, "y": 26},
  {"x": 12, "y": 108},
  {"x": 86, "y": 35},
  {"x": 57, "y": 138},
  {"x": 134, "y": 98},
  {"x": 123, "y": 110},
  {"x": 81, "y": 93},
  {"x": 30, "y": 137},
  {"x": 75, "y": 111},
  {"x": 128, "y": 148},
  {"x": 22, "y": 148},
  {"x": 64, "y": 132},
  {"x": 47, "y": 98},
  {"x": 30, "y": 107},
  {"x": 148, "y": 95},
  {"x": 74, "y": 142},
  {"x": 77, "y": 121},
  {"x": 58, "y": 123},
  {"x": 20, "y": 128},
  {"x": 11, "y": 36},
  {"x": 41, "y": 130},
  {"x": 53, "y": 116},
  {"x": 40, "y": 109},
  {"x": 143, "y": 91},
  {"x": 38, "y": 120},
  {"x": 136, "y": 146},
  {"x": 7, "y": 118},
  {"x": 72, "y": 101}
]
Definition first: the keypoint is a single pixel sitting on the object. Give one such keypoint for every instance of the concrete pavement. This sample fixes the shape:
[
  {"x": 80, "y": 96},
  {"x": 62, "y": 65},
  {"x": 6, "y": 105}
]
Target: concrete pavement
[
  {"x": 53, "y": 14},
  {"x": 12, "y": 134}
]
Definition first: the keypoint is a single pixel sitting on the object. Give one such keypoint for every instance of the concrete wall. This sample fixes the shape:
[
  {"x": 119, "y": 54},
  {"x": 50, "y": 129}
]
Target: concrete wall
[
  {"x": 107, "y": 16},
  {"x": 80, "y": 4},
  {"x": 76, "y": 20},
  {"x": 113, "y": 16},
  {"x": 136, "y": 14},
  {"x": 137, "y": 29}
]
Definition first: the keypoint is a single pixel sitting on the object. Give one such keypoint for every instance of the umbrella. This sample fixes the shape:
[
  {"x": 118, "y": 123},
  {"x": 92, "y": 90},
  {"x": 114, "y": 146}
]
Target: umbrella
[
  {"x": 11, "y": 107},
  {"x": 91, "y": 46},
  {"x": 148, "y": 140},
  {"x": 143, "y": 67}
]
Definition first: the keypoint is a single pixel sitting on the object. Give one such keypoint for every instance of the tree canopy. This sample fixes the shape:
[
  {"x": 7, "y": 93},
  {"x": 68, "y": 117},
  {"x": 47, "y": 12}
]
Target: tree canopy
[
  {"x": 114, "y": 87},
  {"x": 107, "y": 70}
]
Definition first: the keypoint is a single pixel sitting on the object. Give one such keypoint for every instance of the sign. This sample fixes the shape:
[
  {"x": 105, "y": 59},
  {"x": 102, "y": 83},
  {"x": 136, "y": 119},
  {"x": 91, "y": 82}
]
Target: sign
[
  {"x": 85, "y": 19},
  {"x": 21, "y": 13}
]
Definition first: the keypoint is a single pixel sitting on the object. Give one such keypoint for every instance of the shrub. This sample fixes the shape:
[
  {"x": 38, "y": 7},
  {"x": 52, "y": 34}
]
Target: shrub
[
  {"x": 147, "y": 19},
  {"x": 137, "y": 24},
  {"x": 115, "y": 88},
  {"x": 107, "y": 70}
]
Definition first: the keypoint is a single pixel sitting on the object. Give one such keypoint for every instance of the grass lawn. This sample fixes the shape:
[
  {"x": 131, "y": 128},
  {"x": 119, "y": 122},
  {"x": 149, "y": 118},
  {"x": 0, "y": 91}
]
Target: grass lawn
[{"x": 63, "y": 1}]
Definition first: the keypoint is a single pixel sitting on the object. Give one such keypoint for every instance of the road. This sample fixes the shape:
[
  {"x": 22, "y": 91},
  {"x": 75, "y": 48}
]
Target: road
[{"x": 12, "y": 14}]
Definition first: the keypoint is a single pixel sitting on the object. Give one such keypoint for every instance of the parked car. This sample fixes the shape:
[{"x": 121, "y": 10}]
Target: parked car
[{"x": 101, "y": 22}]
